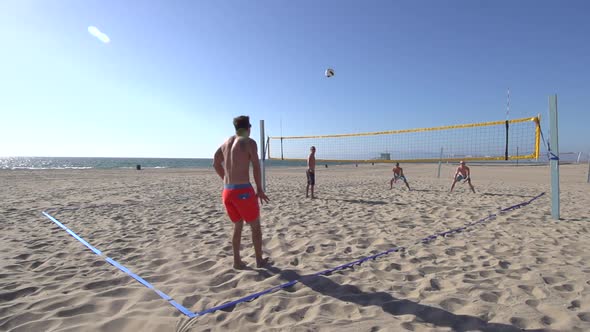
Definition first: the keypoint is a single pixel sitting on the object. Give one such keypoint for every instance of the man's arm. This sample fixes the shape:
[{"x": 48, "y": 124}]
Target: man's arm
[
  {"x": 255, "y": 164},
  {"x": 217, "y": 163},
  {"x": 256, "y": 170}
]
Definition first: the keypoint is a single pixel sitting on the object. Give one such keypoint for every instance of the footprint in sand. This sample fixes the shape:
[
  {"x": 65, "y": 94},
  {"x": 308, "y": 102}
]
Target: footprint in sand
[
  {"x": 35, "y": 265},
  {"x": 452, "y": 304},
  {"x": 489, "y": 297},
  {"x": 434, "y": 285},
  {"x": 9, "y": 296},
  {"x": 574, "y": 305},
  {"x": 564, "y": 288},
  {"x": 546, "y": 320},
  {"x": 541, "y": 260},
  {"x": 532, "y": 303},
  {"x": 393, "y": 266},
  {"x": 21, "y": 257},
  {"x": 412, "y": 277},
  {"x": 485, "y": 274},
  {"x": 584, "y": 316},
  {"x": 450, "y": 252},
  {"x": 518, "y": 322},
  {"x": 550, "y": 280}
]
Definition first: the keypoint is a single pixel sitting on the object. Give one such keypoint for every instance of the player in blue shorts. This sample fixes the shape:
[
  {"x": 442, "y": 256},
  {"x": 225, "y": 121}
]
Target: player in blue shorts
[
  {"x": 398, "y": 174},
  {"x": 462, "y": 174}
]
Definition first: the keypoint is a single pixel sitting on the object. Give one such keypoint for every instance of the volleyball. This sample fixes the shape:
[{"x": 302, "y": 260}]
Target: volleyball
[{"x": 329, "y": 72}]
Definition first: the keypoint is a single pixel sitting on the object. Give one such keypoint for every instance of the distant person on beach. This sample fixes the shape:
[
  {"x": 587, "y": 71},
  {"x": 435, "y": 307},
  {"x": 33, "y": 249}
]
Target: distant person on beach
[
  {"x": 232, "y": 163},
  {"x": 310, "y": 172},
  {"x": 462, "y": 174},
  {"x": 398, "y": 174}
]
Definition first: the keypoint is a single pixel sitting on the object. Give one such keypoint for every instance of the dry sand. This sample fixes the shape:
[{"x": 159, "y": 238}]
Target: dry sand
[{"x": 520, "y": 271}]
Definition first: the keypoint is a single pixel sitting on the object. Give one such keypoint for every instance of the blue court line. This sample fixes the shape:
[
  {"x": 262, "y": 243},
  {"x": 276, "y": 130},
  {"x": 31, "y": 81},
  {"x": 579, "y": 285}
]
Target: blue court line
[
  {"x": 123, "y": 269},
  {"x": 254, "y": 296}
]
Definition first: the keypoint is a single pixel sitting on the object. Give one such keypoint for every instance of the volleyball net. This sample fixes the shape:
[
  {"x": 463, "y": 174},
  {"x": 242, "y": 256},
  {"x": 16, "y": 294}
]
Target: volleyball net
[{"x": 499, "y": 140}]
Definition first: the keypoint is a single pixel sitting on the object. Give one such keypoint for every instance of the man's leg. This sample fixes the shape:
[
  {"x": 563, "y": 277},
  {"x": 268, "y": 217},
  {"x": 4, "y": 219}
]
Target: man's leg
[
  {"x": 257, "y": 240},
  {"x": 391, "y": 184},
  {"x": 470, "y": 185},
  {"x": 407, "y": 185},
  {"x": 236, "y": 241},
  {"x": 312, "y": 196},
  {"x": 307, "y": 191}
]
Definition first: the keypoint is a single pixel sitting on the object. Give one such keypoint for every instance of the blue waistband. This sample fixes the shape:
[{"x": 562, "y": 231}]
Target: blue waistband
[{"x": 237, "y": 186}]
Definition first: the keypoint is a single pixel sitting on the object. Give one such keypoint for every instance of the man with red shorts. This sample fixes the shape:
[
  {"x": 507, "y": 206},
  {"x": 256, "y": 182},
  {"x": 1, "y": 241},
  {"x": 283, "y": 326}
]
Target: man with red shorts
[{"x": 232, "y": 163}]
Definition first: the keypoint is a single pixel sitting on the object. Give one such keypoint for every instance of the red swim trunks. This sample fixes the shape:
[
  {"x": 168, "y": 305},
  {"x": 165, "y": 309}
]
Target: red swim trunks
[{"x": 241, "y": 202}]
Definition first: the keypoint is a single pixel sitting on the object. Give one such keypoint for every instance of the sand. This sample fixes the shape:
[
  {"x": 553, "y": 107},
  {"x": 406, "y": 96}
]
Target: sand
[{"x": 520, "y": 271}]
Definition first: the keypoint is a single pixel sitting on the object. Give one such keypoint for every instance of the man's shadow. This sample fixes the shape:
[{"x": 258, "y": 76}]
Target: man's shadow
[
  {"x": 389, "y": 304},
  {"x": 428, "y": 190}
]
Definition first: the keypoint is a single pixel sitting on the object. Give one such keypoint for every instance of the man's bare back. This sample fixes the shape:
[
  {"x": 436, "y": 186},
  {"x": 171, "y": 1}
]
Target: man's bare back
[
  {"x": 237, "y": 155},
  {"x": 311, "y": 162}
]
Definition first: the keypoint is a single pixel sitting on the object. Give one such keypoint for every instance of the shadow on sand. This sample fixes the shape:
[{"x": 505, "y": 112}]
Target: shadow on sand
[
  {"x": 430, "y": 190},
  {"x": 507, "y": 195},
  {"x": 395, "y": 307},
  {"x": 361, "y": 201},
  {"x": 389, "y": 304}
]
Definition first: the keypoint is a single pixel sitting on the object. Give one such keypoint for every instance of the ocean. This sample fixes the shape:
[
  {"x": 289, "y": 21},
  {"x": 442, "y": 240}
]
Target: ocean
[{"x": 16, "y": 163}]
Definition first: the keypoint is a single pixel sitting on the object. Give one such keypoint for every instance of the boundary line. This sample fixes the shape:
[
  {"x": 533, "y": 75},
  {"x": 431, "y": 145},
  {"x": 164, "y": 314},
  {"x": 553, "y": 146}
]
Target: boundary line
[{"x": 125, "y": 270}]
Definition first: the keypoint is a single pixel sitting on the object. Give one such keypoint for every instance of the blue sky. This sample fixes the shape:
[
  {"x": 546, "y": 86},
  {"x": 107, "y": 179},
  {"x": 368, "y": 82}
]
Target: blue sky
[{"x": 176, "y": 72}]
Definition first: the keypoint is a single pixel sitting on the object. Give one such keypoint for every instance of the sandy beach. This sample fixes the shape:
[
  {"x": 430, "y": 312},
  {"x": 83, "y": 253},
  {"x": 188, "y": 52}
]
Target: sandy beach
[{"x": 522, "y": 270}]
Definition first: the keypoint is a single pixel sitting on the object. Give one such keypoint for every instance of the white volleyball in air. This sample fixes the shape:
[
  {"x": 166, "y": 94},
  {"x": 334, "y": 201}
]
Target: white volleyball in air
[{"x": 329, "y": 72}]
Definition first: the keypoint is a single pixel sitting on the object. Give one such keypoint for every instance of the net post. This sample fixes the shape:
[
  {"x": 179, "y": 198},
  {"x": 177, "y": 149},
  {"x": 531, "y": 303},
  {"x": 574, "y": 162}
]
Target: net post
[
  {"x": 262, "y": 155},
  {"x": 440, "y": 162},
  {"x": 517, "y": 156},
  {"x": 579, "y": 155},
  {"x": 506, "y": 148},
  {"x": 538, "y": 137},
  {"x": 554, "y": 156},
  {"x": 588, "y": 181}
]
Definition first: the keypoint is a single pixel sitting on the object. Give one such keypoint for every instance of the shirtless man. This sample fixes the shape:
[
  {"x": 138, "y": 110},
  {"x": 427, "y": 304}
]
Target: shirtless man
[
  {"x": 398, "y": 173},
  {"x": 462, "y": 174},
  {"x": 310, "y": 172},
  {"x": 232, "y": 163}
]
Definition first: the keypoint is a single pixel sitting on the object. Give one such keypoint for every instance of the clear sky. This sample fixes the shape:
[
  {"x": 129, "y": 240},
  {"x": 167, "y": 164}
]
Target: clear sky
[{"x": 175, "y": 73}]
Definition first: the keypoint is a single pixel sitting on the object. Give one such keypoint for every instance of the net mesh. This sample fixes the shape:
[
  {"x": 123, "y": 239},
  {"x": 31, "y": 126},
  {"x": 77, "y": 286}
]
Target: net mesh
[{"x": 479, "y": 141}]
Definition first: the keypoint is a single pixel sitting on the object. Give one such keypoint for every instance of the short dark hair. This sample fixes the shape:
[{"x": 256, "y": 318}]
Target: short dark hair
[
  {"x": 396, "y": 164},
  {"x": 242, "y": 122}
]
